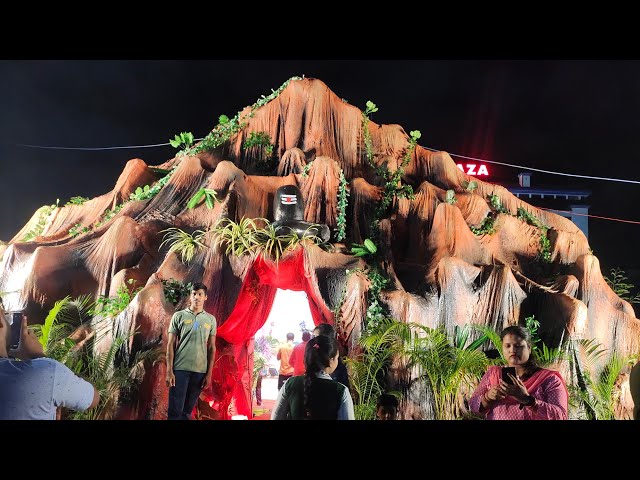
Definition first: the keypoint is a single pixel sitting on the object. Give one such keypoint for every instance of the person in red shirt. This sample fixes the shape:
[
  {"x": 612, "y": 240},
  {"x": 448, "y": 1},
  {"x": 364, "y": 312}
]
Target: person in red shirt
[{"x": 296, "y": 360}]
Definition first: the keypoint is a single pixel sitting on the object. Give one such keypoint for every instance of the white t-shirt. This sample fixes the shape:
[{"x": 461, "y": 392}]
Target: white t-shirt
[{"x": 33, "y": 389}]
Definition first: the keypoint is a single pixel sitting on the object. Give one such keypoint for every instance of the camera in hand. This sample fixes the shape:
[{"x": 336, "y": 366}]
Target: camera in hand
[
  {"x": 505, "y": 374},
  {"x": 15, "y": 320}
]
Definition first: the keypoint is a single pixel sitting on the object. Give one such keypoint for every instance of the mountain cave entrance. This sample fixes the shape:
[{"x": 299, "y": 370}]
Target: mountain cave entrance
[
  {"x": 290, "y": 313},
  {"x": 258, "y": 310}
]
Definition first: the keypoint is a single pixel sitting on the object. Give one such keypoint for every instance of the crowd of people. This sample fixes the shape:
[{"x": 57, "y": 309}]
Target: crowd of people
[{"x": 313, "y": 382}]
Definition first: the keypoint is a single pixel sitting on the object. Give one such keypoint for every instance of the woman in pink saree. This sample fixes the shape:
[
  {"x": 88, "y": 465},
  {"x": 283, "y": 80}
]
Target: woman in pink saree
[{"x": 533, "y": 393}]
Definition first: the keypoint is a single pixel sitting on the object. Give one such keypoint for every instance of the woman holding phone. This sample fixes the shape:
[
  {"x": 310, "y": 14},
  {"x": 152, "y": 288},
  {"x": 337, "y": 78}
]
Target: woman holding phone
[{"x": 522, "y": 390}]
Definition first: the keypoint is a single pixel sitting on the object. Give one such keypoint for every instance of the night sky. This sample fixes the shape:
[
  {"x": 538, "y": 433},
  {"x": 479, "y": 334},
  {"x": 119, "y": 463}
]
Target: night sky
[{"x": 575, "y": 116}]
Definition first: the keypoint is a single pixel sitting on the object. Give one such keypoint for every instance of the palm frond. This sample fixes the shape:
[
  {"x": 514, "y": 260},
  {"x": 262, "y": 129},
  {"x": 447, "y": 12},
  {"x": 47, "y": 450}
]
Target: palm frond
[{"x": 52, "y": 317}]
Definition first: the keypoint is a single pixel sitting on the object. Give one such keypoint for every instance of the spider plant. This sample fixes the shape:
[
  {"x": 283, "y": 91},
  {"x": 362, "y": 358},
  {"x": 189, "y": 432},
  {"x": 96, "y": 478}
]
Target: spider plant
[
  {"x": 239, "y": 238},
  {"x": 183, "y": 243},
  {"x": 273, "y": 242}
]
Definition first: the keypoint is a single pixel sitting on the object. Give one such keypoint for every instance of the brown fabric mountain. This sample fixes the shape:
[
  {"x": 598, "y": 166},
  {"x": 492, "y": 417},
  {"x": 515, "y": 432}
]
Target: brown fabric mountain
[{"x": 442, "y": 273}]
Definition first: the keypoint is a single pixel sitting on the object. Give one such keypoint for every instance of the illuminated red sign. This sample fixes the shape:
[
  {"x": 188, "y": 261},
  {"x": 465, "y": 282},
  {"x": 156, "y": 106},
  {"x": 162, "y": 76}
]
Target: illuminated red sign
[{"x": 473, "y": 169}]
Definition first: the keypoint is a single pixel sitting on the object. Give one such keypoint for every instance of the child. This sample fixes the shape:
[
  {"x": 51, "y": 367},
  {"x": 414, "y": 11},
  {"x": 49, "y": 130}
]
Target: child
[{"x": 386, "y": 407}]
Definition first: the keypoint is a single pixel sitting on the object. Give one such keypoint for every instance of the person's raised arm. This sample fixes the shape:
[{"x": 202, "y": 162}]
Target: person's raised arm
[{"x": 29, "y": 347}]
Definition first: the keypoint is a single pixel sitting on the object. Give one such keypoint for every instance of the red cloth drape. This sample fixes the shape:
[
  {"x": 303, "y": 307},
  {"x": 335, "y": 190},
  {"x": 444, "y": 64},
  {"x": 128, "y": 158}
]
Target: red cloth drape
[{"x": 250, "y": 314}]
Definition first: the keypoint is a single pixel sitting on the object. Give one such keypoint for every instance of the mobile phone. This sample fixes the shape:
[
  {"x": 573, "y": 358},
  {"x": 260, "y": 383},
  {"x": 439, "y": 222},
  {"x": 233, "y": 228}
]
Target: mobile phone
[
  {"x": 15, "y": 320},
  {"x": 505, "y": 374}
]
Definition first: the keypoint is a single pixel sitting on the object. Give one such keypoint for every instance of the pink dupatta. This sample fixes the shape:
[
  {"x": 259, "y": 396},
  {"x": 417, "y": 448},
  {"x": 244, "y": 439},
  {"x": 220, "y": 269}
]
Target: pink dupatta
[{"x": 532, "y": 383}]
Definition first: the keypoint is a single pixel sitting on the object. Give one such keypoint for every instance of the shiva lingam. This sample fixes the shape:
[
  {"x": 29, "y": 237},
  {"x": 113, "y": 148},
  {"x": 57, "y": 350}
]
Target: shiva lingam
[{"x": 288, "y": 211}]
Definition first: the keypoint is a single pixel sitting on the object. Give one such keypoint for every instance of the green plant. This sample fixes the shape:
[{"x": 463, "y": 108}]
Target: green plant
[
  {"x": 486, "y": 227},
  {"x": 112, "y": 306},
  {"x": 210, "y": 197},
  {"x": 306, "y": 169},
  {"x": 544, "y": 253},
  {"x": 182, "y": 243},
  {"x": 595, "y": 393},
  {"x": 141, "y": 193},
  {"x": 274, "y": 241},
  {"x": 450, "y": 197},
  {"x": 78, "y": 229},
  {"x": 341, "y": 221},
  {"x": 377, "y": 312},
  {"x": 393, "y": 186},
  {"x": 113, "y": 379},
  {"x": 185, "y": 138},
  {"x": 545, "y": 356},
  {"x": 226, "y": 127},
  {"x": 109, "y": 214},
  {"x": 618, "y": 283},
  {"x": 366, "y": 370},
  {"x": 239, "y": 238},
  {"x": 367, "y": 248},
  {"x": 175, "y": 290},
  {"x": 451, "y": 368},
  {"x": 470, "y": 186},
  {"x": 259, "y": 139},
  {"x": 262, "y": 141},
  {"x": 271, "y": 240},
  {"x": 43, "y": 215},
  {"x": 496, "y": 204},
  {"x": 65, "y": 316},
  {"x": 76, "y": 201}
]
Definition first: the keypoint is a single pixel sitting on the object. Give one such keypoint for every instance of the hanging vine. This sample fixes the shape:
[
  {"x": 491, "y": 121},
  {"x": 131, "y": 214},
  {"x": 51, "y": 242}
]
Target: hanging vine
[
  {"x": 393, "y": 188},
  {"x": 226, "y": 127},
  {"x": 341, "y": 221}
]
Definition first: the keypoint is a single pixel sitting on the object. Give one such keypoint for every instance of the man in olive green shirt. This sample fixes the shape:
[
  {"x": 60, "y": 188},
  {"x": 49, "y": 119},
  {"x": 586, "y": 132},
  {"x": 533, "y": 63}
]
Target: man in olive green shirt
[{"x": 191, "y": 348}]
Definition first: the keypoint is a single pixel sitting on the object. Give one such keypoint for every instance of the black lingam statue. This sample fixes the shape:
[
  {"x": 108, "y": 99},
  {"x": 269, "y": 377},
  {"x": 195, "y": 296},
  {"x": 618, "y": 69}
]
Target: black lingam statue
[{"x": 288, "y": 211}]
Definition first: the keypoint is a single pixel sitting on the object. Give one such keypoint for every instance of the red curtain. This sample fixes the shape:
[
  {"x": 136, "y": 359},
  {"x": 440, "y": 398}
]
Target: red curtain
[{"x": 248, "y": 316}]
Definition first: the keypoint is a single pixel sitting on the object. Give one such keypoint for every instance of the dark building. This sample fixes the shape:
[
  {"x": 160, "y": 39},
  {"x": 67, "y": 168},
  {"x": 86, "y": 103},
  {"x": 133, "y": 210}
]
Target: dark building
[{"x": 568, "y": 202}]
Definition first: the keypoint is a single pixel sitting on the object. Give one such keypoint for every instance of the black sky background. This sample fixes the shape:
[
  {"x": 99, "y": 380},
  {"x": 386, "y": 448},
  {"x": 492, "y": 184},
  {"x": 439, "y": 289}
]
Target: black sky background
[{"x": 576, "y": 116}]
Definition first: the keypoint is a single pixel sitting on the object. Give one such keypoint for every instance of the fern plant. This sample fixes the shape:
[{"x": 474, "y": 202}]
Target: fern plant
[{"x": 618, "y": 283}]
